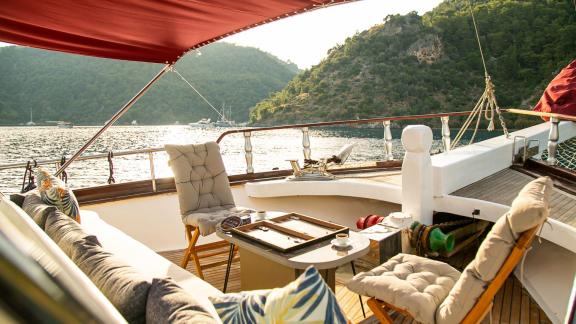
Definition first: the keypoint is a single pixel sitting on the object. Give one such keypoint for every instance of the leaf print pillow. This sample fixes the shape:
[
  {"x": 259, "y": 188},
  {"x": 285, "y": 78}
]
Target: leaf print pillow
[
  {"x": 305, "y": 300},
  {"x": 55, "y": 192}
]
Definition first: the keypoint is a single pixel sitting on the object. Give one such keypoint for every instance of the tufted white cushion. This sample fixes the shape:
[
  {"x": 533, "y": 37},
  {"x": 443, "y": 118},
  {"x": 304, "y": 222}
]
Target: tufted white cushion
[
  {"x": 409, "y": 282},
  {"x": 206, "y": 219},
  {"x": 201, "y": 181}
]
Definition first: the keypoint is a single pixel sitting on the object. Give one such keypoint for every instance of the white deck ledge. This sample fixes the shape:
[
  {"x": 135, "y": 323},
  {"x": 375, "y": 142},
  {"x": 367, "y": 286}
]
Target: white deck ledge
[{"x": 350, "y": 187}]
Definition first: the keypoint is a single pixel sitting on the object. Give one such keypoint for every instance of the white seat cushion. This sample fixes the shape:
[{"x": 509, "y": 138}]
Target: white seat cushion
[
  {"x": 408, "y": 282},
  {"x": 206, "y": 219}
]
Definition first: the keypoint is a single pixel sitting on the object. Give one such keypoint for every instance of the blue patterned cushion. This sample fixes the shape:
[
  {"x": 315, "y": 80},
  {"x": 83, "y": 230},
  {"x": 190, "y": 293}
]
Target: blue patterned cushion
[
  {"x": 55, "y": 192},
  {"x": 305, "y": 300}
]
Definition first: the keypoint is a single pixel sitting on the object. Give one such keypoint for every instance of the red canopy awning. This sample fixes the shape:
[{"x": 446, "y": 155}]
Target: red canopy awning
[
  {"x": 560, "y": 95},
  {"x": 157, "y": 31}
]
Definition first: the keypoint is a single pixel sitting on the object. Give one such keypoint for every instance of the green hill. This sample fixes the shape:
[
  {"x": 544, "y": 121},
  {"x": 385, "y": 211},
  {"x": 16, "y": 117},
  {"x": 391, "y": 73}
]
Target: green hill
[
  {"x": 88, "y": 90},
  {"x": 415, "y": 64}
]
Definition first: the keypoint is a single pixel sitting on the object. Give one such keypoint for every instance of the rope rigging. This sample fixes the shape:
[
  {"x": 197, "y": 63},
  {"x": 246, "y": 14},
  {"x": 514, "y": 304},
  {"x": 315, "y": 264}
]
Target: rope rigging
[
  {"x": 29, "y": 176},
  {"x": 63, "y": 176},
  {"x": 111, "y": 179},
  {"x": 487, "y": 103},
  {"x": 198, "y": 92}
]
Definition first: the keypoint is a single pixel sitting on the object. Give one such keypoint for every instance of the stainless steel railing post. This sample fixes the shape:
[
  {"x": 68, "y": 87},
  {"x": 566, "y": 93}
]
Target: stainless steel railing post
[
  {"x": 445, "y": 133},
  {"x": 306, "y": 143},
  {"x": 553, "y": 138},
  {"x": 388, "y": 156},
  {"x": 152, "y": 172},
  {"x": 248, "y": 152}
]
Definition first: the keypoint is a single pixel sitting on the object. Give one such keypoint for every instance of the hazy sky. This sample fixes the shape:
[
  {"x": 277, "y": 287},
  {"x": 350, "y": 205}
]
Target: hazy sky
[{"x": 304, "y": 39}]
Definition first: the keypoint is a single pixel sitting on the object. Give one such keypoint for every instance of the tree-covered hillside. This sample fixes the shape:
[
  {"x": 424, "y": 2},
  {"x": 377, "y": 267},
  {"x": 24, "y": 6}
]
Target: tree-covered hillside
[
  {"x": 88, "y": 90},
  {"x": 415, "y": 64}
]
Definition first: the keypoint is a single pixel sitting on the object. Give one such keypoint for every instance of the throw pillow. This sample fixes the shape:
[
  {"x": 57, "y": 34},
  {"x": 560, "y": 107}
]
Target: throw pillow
[
  {"x": 125, "y": 287},
  {"x": 18, "y": 198},
  {"x": 168, "y": 303},
  {"x": 36, "y": 208},
  {"x": 55, "y": 192},
  {"x": 305, "y": 300},
  {"x": 64, "y": 231}
]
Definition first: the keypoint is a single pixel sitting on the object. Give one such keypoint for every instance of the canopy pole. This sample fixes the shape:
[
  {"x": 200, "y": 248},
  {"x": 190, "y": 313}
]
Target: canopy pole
[{"x": 114, "y": 118}]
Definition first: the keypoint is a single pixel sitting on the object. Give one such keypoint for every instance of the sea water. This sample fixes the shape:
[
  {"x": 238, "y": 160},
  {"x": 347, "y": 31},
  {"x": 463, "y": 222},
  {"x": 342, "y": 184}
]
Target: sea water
[{"x": 270, "y": 149}]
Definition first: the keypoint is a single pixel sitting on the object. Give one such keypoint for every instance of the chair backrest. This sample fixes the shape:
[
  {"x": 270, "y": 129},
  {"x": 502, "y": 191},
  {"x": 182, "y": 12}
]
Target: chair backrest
[
  {"x": 200, "y": 176},
  {"x": 482, "y": 306},
  {"x": 498, "y": 254}
]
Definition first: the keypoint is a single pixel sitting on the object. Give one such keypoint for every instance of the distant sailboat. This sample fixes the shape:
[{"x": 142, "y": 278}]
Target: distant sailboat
[
  {"x": 31, "y": 122},
  {"x": 225, "y": 121}
]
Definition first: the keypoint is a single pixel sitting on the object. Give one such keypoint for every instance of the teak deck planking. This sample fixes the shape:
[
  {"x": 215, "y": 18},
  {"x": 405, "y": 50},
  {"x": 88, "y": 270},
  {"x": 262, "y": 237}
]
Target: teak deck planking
[
  {"x": 512, "y": 303},
  {"x": 503, "y": 187}
]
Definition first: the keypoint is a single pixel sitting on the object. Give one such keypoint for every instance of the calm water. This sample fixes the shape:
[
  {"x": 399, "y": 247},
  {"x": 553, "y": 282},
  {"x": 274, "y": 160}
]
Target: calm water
[{"x": 271, "y": 149}]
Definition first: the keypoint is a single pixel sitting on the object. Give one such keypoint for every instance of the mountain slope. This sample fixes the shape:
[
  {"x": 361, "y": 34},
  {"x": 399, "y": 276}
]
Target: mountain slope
[
  {"x": 415, "y": 64},
  {"x": 88, "y": 90}
]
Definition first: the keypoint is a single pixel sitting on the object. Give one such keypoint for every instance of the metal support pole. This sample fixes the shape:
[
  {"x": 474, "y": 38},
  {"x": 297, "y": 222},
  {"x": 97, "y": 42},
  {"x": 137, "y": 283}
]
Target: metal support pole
[
  {"x": 553, "y": 138},
  {"x": 152, "y": 172},
  {"x": 445, "y": 133},
  {"x": 388, "y": 156},
  {"x": 115, "y": 117},
  {"x": 359, "y": 296},
  {"x": 248, "y": 152},
  {"x": 228, "y": 266},
  {"x": 306, "y": 143}
]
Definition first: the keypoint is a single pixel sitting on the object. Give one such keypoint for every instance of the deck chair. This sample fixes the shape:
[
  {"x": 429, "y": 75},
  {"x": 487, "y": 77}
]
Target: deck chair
[
  {"x": 431, "y": 291},
  {"x": 204, "y": 196}
]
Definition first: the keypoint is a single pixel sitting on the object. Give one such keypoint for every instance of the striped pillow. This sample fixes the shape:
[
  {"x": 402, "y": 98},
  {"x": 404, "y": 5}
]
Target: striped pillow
[
  {"x": 305, "y": 300},
  {"x": 55, "y": 192}
]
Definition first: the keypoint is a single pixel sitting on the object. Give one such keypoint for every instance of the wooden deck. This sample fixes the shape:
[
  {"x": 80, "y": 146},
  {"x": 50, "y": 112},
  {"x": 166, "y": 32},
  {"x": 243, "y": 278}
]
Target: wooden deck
[
  {"x": 512, "y": 304},
  {"x": 502, "y": 188}
]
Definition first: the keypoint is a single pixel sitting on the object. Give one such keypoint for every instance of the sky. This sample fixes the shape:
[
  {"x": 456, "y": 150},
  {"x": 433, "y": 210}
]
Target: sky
[{"x": 306, "y": 38}]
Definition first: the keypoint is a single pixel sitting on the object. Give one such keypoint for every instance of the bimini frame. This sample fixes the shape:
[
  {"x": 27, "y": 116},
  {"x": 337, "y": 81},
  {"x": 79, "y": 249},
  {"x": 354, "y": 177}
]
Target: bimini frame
[{"x": 115, "y": 117}]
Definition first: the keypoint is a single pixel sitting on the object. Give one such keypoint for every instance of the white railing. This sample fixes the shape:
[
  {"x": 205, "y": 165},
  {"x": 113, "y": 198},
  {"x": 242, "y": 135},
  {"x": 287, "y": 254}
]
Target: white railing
[{"x": 306, "y": 147}]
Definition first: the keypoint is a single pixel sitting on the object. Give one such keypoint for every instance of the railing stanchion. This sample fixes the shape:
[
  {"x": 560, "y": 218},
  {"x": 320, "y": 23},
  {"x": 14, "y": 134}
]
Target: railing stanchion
[
  {"x": 152, "y": 172},
  {"x": 388, "y": 156},
  {"x": 248, "y": 152},
  {"x": 553, "y": 138},
  {"x": 306, "y": 143},
  {"x": 445, "y": 133}
]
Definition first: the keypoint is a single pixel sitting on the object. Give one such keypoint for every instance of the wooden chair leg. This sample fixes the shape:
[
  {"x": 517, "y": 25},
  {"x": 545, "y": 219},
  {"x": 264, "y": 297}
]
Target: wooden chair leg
[
  {"x": 192, "y": 234},
  {"x": 379, "y": 310},
  {"x": 186, "y": 257}
]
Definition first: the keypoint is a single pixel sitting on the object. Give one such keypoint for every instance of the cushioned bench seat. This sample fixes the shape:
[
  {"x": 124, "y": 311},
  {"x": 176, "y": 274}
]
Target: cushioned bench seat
[{"x": 147, "y": 261}]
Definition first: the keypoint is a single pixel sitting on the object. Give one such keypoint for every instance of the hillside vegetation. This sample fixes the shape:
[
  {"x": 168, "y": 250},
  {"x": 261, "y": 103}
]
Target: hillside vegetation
[
  {"x": 415, "y": 64},
  {"x": 88, "y": 90}
]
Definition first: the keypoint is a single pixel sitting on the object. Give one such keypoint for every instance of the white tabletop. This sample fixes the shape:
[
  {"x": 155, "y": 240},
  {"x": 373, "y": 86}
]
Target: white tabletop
[{"x": 322, "y": 255}]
